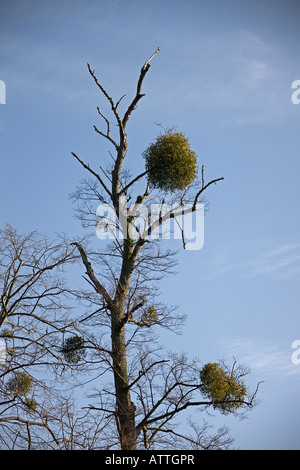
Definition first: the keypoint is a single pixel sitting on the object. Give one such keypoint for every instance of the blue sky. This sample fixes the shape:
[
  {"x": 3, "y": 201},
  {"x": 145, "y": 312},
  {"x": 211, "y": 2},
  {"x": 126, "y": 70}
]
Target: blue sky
[{"x": 223, "y": 76}]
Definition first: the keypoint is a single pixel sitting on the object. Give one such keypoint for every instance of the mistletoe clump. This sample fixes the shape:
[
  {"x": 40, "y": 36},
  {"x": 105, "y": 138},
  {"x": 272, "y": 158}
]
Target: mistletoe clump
[
  {"x": 20, "y": 384},
  {"x": 73, "y": 349},
  {"x": 31, "y": 405},
  {"x": 149, "y": 316},
  {"x": 225, "y": 389},
  {"x": 170, "y": 163}
]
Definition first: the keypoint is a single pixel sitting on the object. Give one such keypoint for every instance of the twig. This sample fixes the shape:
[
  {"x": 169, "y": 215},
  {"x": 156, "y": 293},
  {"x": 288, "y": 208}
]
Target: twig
[{"x": 147, "y": 62}]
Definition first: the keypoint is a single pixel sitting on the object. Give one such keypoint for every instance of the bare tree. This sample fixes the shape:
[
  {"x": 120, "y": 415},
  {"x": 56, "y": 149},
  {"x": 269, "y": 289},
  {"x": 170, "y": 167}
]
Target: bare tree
[
  {"x": 150, "y": 386},
  {"x": 37, "y": 409},
  {"x": 83, "y": 366}
]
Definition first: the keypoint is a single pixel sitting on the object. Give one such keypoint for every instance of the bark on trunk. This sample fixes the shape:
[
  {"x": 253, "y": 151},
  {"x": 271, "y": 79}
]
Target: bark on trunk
[{"x": 125, "y": 407}]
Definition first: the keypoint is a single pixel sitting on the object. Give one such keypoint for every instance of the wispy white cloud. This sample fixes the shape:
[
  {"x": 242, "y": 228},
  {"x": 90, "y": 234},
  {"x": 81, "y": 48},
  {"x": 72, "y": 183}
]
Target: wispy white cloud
[
  {"x": 266, "y": 359},
  {"x": 236, "y": 74},
  {"x": 281, "y": 262},
  {"x": 248, "y": 261}
]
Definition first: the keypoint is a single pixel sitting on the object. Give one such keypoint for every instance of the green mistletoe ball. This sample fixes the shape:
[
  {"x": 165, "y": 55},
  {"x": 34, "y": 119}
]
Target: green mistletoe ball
[
  {"x": 73, "y": 349},
  {"x": 170, "y": 162},
  {"x": 225, "y": 389},
  {"x": 20, "y": 384}
]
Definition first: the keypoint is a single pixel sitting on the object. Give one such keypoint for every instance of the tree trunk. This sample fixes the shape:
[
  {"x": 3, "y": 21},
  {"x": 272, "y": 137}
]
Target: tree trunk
[{"x": 125, "y": 407}]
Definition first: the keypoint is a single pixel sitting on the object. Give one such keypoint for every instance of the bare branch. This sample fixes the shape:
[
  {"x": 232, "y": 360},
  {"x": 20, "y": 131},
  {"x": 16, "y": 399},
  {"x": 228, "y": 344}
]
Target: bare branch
[
  {"x": 87, "y": 167},
  {"x": 147, "y": 61},
  {"x": 177, "y": 409},
  {"x": 204, "y": 187},
  {"x": 89, "y": 271},
  {"x": 120, "y": 100},
  {"x": 138, "y": 95},
  {"x": 142, "y": 373},
  {"x": 31, "y": 423},
  {"x": 107, "y": 135},
  {"x": 132, "y": 182},
  {"x": 113, "y": 107}
]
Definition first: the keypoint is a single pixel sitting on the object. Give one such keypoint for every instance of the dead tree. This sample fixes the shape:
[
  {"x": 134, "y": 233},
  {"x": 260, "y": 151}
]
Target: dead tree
[{"x": 148, "y": 390}]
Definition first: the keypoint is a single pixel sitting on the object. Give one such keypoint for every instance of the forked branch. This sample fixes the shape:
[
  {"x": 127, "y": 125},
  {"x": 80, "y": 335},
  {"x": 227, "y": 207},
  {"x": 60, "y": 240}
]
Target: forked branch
[
  {"x": 204, "y": 187},
  {"x": 90, "y": 272},
  {"x": 138, "y": 95},
  {"x": 107, "y": 135},
  {"x": 113, "y": 106}
]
